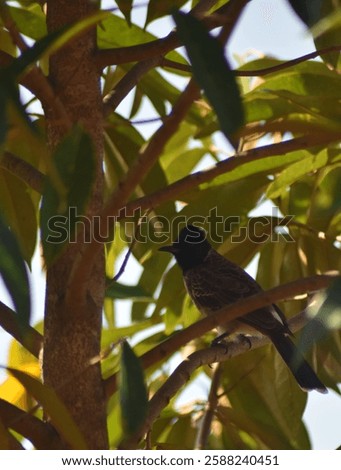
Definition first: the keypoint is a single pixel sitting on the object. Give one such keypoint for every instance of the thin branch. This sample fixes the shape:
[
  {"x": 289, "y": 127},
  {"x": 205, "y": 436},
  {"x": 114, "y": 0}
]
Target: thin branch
[
  {"x": 34, "y": 78},
  {"x": 172, "y": 64},
  {"x": 287, "y": 64},
  {"x": 27, "y": 336},
  {"x": 258, "y": 72},
  {"x": 175, "y": 190},
  {"x": 137, "y": 172},
  {"x": 212, "y": 402},
  {"x": 23, "y": 170},
  {"x": 10, "y": 25},
  {"x": 127, "y": 83},
  {"x": 160, "y": 47},
  {"x": 286, "y": 291},
  {"x": 130, "y": 80},
  {"x": 181, "y": 375},
  {"x": 130, "y": 249},
  {"x": 35, "y": 81},
  {"x": 123, "y": 55}
]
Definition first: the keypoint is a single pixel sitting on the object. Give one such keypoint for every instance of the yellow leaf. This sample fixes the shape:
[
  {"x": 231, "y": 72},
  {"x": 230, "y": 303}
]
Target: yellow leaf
[{"x": 12, "y": 391}]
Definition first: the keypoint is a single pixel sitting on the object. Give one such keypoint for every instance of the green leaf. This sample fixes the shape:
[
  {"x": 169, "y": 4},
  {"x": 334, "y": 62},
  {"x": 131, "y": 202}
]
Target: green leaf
[
  {"x": 326, "y": 198},
  {"x": 9, "y": 97},
  {"x": 308, "y": 10},
  {"x": 295, "y": 171},
  {"x": 3, "y": 112},
  {"x": 265, "y": 397},
  {"x": 331, "y": 35},
  {"x": 212, "y": 71},
  {"x": 133, "y": 392},
  {"x": 54, "y": 408},
  {"x": 17, "y": 207},
  {"x": 302, "y": 97},
  {"x": 13, "y": 272},
  {"x": 325, "y": 315},
  {"x": 125, "y": 7},
  {"x": 9, "y": 93},
  {"x": 29, "y": 56},
  {"x": 54, "y": 41},
  {"x": 30, "y": 21},
  {"x": 67, "y": 189},
  {"x": 157, "y": 9},
  {"x": 116, "y": 290}
]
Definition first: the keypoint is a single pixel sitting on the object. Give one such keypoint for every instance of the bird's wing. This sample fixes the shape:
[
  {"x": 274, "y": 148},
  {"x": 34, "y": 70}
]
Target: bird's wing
[{"x": 219, "y": 282}]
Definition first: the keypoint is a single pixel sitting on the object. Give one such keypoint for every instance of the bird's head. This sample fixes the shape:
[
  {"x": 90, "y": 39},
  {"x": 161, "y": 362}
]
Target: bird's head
[{"x": 191, "y": 247}]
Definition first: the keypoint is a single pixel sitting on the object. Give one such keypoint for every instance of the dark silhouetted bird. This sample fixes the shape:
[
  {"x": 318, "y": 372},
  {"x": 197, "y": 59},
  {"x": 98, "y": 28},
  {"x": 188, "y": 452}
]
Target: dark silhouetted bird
[{"x": 213, "y": 282}]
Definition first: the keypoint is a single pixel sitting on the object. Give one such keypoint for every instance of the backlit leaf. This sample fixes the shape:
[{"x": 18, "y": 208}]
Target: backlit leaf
[
  {"x": 213, "y": 72},
  {"x": 13, "y": 273},
  {"x": 67, "y": 189},
  {"x": 133, "y": 393},
  {"x": 54, "y": 408}
]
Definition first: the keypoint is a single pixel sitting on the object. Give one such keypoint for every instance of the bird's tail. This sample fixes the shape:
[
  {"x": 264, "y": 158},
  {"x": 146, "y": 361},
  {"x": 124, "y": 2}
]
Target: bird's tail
[{"x": 303, "y": 373}]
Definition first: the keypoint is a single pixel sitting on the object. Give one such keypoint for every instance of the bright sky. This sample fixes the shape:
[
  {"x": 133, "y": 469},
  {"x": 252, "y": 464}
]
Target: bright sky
[{"x": 271, "y": 27}]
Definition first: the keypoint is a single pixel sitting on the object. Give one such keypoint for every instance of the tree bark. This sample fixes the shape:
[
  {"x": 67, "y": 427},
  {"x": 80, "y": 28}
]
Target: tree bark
[{"x": 72, "y": 335}]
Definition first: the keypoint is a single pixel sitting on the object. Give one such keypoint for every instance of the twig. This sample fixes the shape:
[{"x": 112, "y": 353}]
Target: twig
[
  {"x": 127, "y": 83},
  {"x": 246, "y": 305},
  {"x": 130, "y": 249},
  {"x": 212, "y": 402},
  {"x": 179, "y": 187}
]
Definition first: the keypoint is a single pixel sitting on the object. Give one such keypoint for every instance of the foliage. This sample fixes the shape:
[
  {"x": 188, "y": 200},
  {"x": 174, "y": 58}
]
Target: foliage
[{"x": 286, "y": 126}]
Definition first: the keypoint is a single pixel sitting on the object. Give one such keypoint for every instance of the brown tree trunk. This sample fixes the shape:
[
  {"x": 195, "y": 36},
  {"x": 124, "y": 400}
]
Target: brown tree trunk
[{"x": 72, "y": 335}]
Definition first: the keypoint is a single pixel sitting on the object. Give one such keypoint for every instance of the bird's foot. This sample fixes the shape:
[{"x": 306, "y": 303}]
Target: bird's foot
[
  {"x": 243, "y": 339},
  {"x": 221, "y": 342}
]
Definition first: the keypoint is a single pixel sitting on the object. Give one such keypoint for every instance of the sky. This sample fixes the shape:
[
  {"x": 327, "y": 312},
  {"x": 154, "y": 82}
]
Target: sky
[{"x": 272, "y": 28}]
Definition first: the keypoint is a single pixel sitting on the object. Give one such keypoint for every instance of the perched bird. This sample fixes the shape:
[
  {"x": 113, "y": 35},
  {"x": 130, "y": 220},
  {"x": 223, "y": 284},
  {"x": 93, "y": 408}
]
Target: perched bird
[{"x": 213, "y": 282}]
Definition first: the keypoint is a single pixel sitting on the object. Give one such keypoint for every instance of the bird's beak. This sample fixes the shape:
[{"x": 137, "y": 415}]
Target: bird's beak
[{"x": 170, "y": 249}]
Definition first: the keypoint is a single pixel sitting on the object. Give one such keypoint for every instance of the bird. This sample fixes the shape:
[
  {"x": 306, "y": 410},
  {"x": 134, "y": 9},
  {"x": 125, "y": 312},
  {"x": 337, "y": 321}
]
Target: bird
[{"x": 213, "y": 282}]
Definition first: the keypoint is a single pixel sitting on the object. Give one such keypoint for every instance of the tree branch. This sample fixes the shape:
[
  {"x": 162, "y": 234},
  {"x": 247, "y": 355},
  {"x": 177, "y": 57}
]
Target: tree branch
[
  {"x": 176, "y": 189},
  {"x": 212, "y": 402},
  {"x": 130, "y": 80},
  {"x": 23, "y": 170},
  {"x": 127, "y": 83},
  {"x": 286, "y": 291},
  {"x": 181, "y": 375},
  {"x": 27, "y": 336},
  {"x": 226, "y": 14}
]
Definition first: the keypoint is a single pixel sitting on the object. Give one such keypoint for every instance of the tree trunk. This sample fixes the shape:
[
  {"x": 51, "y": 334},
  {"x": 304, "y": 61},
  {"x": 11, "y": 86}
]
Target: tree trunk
[{"x": 72, "y": 335}]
